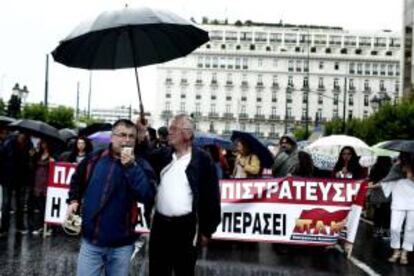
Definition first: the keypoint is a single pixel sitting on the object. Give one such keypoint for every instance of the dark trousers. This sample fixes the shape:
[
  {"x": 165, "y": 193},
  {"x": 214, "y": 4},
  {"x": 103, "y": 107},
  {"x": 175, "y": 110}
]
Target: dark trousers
[
  {"x": 20, "y": 199},
  {"x": 171, "y": 246},
  {"x": 382, "y": 215},
  {"x": 36, "y": 211}
]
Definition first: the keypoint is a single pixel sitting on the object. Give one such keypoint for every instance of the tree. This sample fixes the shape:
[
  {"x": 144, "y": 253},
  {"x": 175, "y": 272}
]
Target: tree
[
  {"x": 61, "y": 117},
  {"x": 2, "y": 107},
  {"x": 35, "y": 112},
  {"x": 14, "y": 107},
  {"x": 300, "y": 133}
]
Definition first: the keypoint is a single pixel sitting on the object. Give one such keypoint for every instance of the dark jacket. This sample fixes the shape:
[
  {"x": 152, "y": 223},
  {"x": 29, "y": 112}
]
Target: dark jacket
[
  {"x": 202, "y": 177},
  {"x": 110, "y": 192}
]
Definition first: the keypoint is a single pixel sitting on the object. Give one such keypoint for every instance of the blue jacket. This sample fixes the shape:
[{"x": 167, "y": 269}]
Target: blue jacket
[{"x": 110, "y": 194}]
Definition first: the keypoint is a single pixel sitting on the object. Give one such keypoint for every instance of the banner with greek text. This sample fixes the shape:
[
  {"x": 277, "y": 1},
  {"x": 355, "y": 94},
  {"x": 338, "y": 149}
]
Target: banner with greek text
[{"x": 284, "y": 210}]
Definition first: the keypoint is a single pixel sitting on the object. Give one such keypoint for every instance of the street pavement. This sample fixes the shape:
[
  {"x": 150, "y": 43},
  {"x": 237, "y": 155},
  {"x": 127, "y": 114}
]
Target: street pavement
[{"x": 56, "y": 255}]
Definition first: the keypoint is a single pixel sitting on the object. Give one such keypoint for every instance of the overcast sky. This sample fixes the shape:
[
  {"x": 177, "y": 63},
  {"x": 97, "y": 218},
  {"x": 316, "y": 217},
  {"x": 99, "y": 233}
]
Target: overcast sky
[{"x": 31, "y": 29}]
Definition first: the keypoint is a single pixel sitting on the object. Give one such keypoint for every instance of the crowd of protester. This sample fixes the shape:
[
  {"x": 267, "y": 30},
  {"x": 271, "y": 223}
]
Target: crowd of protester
[{"x": 24, "y": 170}]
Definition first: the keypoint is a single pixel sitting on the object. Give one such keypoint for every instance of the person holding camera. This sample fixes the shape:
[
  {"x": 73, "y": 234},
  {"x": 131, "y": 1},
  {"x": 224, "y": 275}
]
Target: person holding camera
[{"x": 109, "y": 183}]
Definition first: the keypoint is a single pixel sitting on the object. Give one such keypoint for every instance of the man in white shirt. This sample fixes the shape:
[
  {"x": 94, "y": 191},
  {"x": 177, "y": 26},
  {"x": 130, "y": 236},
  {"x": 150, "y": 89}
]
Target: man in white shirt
[{"x": 187, "y": 207}]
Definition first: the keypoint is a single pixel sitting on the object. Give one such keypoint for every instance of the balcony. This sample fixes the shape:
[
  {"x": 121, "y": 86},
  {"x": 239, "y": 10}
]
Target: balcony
[
  {"x": 168, "y": 81},
  {"x": 226, "y": 133},
  {"x": 229, "y": 84},
  {"x": 214, "y": 83},
  {"x": 303, "y": 119},
  {"x": 275, "y": 86},
  {"x": 305, "y": 88},
  {"x": 213, "y": 115},
  {"x": 259, "y": 117},
  {"x": 383, "y": 89},
  {"x": 259, "y": 86},
  {"x": 184, "y": 82},
  {"x": 228, "y": 115},
  {"x": 199, "y": 83},
  {"x": 243, "y": 116},
  {"x": 196, "y": 115},
  {"x": 336, "y": 89},
  {"x": 274, "y": 118},
  {"x": 367, "y": 89},
  {"x": 351, "y": 89},
  {"x": 244, "y": 85},
  {"x": 321, "y": 88}
]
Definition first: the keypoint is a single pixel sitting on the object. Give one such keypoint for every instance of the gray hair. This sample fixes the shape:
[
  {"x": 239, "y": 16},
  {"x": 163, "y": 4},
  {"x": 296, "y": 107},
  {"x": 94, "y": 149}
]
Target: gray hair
[{"x": 187, "y": 123}]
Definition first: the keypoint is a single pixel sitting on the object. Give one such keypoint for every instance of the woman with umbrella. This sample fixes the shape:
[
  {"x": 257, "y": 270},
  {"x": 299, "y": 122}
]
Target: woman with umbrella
[
  {"x": 247, "y": 164},
  {"x": 348, "y": 165}
]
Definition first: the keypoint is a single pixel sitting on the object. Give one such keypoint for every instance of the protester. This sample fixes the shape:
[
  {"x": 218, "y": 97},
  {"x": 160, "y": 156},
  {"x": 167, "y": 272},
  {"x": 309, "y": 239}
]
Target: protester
[
  {"x": 305, "y": 166},
  {"x": 247, "y": 163},
  {"x": 214, "y": 152},
  {"x": 109, "y": 183},
  {"x": 37, "y": 198},
  {"x": 18, "y": 151},
  {"x": 162, "y": 137},
  {"x": 348, "y": 165},
  {"x": 402, "y": 209},
  {"x": 286, "y": 160},
  {"x": 81, "y": 148},
  {"x": 381, "y": 204},
  {"x": 187, "y": 209}
]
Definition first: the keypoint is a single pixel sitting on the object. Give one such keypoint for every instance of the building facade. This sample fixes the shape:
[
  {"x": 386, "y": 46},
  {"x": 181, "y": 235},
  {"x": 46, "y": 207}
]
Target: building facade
[
  {"x": 269, "y": 78},
  {"x": 111, "y": 115},
  {"x": 407, "y": 58}
]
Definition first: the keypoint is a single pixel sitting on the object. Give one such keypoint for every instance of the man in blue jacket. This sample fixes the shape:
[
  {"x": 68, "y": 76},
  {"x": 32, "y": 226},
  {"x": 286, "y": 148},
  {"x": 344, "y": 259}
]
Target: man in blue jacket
[
  {"x": 109, "y": 183},
  {"x": 187, "y": 208}
]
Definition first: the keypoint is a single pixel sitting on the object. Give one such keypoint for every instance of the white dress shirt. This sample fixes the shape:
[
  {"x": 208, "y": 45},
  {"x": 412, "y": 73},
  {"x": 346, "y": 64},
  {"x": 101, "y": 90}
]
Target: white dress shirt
[{"x": 174, "y": 196}]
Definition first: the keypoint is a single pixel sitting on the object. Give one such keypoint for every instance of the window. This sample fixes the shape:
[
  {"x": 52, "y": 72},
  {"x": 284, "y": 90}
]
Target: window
[
  {"x": 243, "y": 126},
  {"x": 290, "y": 66},
  {"x": 198, "y": 108},
  {"x": 366, "y": 85},
  {"x": 245, "y": 63},
  {"x": 226, "y": 126},
  {"x": 228, "y": 108},
  {"x": 274, "y": 62},
  {"x": 222, "y": 62},
  {"x": 365, "y": 116},
  {"x": 200, "y": 62},
  {"x": 359, "y": 68},
  {"x": 182, "y": 107},
  {"x": 274, "y": 97},
  {"x": 260, "y": 62},
  {"x": 351, "y": 99},
  {"x": 290, "y": 81},
  {"x": 366, "y": 100},
  {"x": 352, "y": 68},
  {"x": 213, "y": 108},
  {"x": 351, "y": 84},
  {"x": 243, "y": 109},
  {"x": 305, "y": 82},
  {"x": 350, "y": 113},
  {"x": 258, "y": 110},
  {"x": 273, "y": 111},
  {"x": 321, "y": 65},
  {"x": 167, "y": 106},
  {"x": 336, "y": 66},
  {"x": 336, "y": 83},
  {"x": 382, "y": 86},
  {"x": 320, "y": 98},
  {"x": 207, "y": 62},
  {"x": 383, "y": 69},
  {"x": 390, "y": 70},
  {"x": 320, "y": 82},
  {"x": 397, "y": 86},
  {"x": 335, "y": 113},
  {"x": 230, "y": 63},
  {"x": 298, "y": 66},
  {"x": 335, "y": 99},
  {"x": 375, "y": 69},
  {"x": 289, "y": 112},
  {"x": 367, "y": 68}
]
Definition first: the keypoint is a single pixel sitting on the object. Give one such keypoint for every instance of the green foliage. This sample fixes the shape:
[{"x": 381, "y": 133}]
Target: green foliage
[
  {"x": 2, "y": 107},
  {"x": 14, "y": 107},
  {"x": 390, "y": 122},
  {"x": 35, "y": 112},
  {"x": 89, "y": 121},
  {"x": 61, "y": 117},
  {"x": 300, "y": 133}
]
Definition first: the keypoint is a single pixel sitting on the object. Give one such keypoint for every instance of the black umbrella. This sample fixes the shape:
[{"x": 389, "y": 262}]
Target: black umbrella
[
  {"x": 95, "y": 127},
  {"x": 67, "y": 134},
  {"x": 36, "y": 128},
  {"x": 256, "y": 147},
  {"x": 399, "y": 145},
  {"x": 129, "y": 38},
  {"x": 4, "y": 120}
]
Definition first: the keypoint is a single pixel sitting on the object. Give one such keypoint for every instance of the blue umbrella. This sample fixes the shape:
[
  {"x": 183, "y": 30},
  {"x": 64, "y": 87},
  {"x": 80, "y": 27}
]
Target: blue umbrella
[
  {"x": 256, "y": 147},
  {"x": 207, "y": 139}
]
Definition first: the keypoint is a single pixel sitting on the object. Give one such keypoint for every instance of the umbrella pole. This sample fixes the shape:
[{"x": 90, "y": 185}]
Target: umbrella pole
[{"x": 141, "y": 106}]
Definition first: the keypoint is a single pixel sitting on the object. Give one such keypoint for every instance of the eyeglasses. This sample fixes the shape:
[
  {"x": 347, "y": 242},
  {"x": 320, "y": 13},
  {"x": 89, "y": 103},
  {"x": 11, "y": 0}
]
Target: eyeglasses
[{"x": 124, "y": 135}]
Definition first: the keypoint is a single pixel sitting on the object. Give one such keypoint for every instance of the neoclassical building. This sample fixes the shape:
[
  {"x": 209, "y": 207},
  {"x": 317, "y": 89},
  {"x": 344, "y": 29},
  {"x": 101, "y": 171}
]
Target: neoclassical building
[{"x": 269, "y": 78}]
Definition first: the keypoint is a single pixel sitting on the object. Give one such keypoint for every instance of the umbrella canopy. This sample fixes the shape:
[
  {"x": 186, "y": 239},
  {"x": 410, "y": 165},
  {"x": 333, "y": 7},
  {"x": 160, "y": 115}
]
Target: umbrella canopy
[
  {"x": 93, "y": 128},
  {"x": 206, "y": 139},
  {"x": 36, "y": 128},
  {"x": 100, "y": 139},
  {"x": 323, "y": 162},
  {"x": 256, "y": 147},
  {"x": 129, "y": 38},
  {"x": 67, "y": 134},
  {"x": 400, "y": 145},
  {"x": 332, "y": 145},
  {"x": 380, "y": 151},
  {"x": 4, "y": 120}
]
